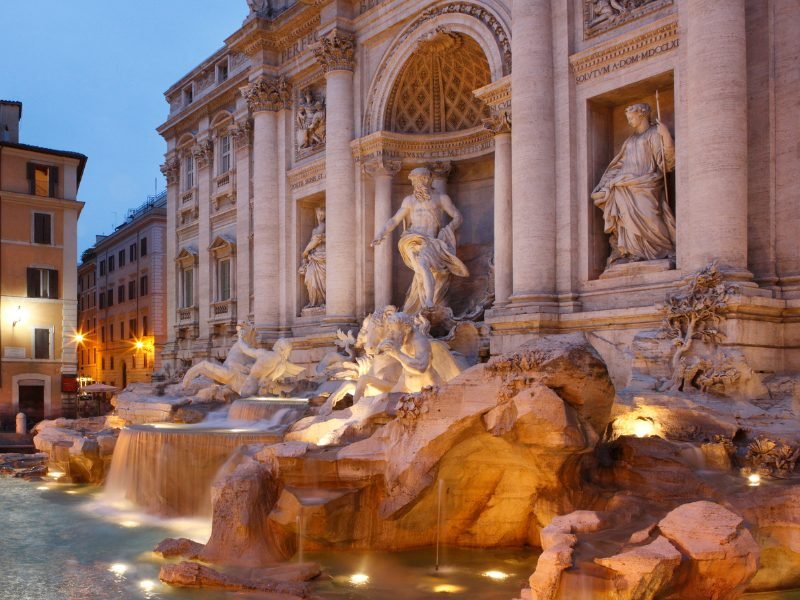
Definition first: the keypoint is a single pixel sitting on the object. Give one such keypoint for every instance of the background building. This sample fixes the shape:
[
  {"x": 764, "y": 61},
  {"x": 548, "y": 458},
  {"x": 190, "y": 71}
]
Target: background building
[
  {"x": 39, "y": 213},
  {"x": 123, "y": 299},
  {"x": 332, "y": 104}
]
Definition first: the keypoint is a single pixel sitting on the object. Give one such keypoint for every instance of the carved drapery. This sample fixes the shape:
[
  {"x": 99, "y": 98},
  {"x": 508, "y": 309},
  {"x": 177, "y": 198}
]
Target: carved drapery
[
  {"x": 433, "y": 92},
  {"x": 336, "y": 51},
  {"x": 268, "y": 94}
]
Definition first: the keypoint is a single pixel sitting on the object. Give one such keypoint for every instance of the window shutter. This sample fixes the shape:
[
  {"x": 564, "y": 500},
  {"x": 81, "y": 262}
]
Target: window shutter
[
  {"x": 31, "y": 179},
  {"x": 53, "y": 181},
  {"x": 53, "y": 283},
  {"x": 33, "y": 283},
  {"x": 42, "y": 343}
]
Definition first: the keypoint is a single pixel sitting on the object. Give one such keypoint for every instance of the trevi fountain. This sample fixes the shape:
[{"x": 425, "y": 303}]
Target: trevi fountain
[{"x": 539, "y": 345}]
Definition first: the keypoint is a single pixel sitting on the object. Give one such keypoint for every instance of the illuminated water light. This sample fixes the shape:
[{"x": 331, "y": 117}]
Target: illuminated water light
[
  {"x": 754, "y": 479},
  {"x": 359, "y": 579},
  {"x": 71, "y": 492},
  {"x": 147, "y": 585},
  {"x": 447, "y": 588},
  {"x": 43, "y": 487},
  {"x": 643, "y": 427},
  {"x": 55, "y": 474},
  {"x": 129, "y": 524},
  {"x": 118, "y": 568},
  {"x": 496, "y": 575}
]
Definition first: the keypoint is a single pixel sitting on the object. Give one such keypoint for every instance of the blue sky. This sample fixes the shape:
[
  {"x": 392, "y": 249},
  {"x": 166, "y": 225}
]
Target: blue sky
[{"x": 91, "y": 75}]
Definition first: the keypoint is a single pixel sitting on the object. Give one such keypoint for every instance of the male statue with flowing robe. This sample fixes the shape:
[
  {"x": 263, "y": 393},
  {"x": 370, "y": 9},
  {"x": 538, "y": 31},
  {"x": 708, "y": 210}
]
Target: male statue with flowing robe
[
  {"x": 631, "y": 193},
  {"x": 427, "y": 246}
]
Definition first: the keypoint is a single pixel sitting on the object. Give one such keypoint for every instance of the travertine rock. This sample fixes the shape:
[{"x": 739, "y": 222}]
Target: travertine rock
[
  {"x": 642, "y": 572},
  {"x": 723, "y": 556},
  {"x": 191, "y": 574},
  {"x": 183, "y": 547},
  {"x": 242, "y": 499}
]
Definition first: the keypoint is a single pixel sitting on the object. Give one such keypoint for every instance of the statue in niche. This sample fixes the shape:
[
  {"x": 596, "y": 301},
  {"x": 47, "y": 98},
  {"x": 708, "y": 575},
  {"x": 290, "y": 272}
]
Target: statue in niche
[
  {"x": 310, "y": 121},
  {"x": 313, "y": 267},
  {"x": 631, "y": 193},
  {"x": 398, "y": 355},
  {"x": 427, "y": 247}
]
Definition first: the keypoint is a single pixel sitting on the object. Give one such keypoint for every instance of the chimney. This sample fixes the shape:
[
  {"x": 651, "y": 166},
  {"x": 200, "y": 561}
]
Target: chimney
[{"x": 10, "y": 115}]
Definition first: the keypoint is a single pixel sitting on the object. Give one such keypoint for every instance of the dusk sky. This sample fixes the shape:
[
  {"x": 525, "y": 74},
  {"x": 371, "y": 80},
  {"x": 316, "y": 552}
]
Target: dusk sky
[{"x": 91, "y": 77}]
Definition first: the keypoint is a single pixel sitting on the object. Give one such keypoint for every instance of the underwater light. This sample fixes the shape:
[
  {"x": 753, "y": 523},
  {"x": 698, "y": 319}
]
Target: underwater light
[
  {"x": 359, "y": 579},
  {"x": 147, "y": 585},
  {"x": 55, "y": 474},
  {"x": 643, "y": 427},
  {"x": 447, "y": 588},
  {"x": 753, "y": 479},
  {"x": 43, "y": 487},
  {"x": 496, "y": 575},
  {"x": 118, "y": 568},
  {"x": 71, "y": 492},
  {"x": 129, "y": 524}
]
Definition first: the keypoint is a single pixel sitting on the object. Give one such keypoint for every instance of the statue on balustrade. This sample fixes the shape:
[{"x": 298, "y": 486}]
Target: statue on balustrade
[
  {"x": 632, "y": 193},
  {"x": 313, "y": 267},
  {"x": 426, "y": 245}
]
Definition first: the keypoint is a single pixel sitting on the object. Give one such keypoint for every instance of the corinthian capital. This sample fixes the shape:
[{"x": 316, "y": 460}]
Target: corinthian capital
[
  {"x": 268, "y": 93},
  {"x": 499, "y": 122},
  {"x": 203, "y": 153},
  {"x": 336, "y": 51},
  {"x": 382, "y": 166},
  {"x": 170, "y": 170},
  {"x": 241, "y": 132}
]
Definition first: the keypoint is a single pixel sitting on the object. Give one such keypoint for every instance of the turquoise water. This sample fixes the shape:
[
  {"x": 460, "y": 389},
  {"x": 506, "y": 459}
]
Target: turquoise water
[{"x": 60, "y": 543}]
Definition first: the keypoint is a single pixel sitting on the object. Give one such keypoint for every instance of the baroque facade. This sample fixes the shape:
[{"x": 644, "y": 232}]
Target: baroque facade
[{"x": 331, "y": 104}]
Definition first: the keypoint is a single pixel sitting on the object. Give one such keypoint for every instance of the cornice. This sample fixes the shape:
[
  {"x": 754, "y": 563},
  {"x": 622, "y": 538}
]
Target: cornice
[
  {"x": 423, "y": 149},
  {"x": 300, "y": 177},
  {"x": 612, "y": 56}
]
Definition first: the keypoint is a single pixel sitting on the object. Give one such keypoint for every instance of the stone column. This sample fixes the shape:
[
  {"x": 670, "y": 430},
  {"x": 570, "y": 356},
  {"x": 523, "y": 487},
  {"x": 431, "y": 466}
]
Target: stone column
[
  {"x": 440, "y": 172},
  {"x": 335, "y": 53},
  {"x": 533, "y": 154},
  {"x": 500, "y": 125},
  {"x": 171, "y": 170},
  {"x": 712, "y": 212},
  {"x": 241, "y": 142},
  {"x": 265, "y": 97},
  {"x": 203, "y": 158},
  {"x": 383, "y": 172}
]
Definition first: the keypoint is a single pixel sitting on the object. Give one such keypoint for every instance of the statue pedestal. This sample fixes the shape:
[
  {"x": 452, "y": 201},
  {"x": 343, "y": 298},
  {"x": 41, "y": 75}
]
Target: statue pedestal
[
  {"x": 313, "y": 311},
  {"x": 635, "y": 269}
]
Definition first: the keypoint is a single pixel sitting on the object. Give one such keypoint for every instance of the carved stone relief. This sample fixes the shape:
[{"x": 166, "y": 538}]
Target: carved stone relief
[
  {"x": 310, "y": 123},
  {"x": 600, "y": 16}
]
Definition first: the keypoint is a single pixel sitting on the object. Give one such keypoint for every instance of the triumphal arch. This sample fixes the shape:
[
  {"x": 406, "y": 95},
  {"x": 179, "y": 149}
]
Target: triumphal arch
[{"x": 528, "y": 166}]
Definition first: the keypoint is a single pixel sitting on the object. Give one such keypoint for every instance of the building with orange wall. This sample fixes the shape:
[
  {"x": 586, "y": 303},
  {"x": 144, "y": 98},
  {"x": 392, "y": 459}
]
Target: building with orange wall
[{"x": 39, "y": 213}]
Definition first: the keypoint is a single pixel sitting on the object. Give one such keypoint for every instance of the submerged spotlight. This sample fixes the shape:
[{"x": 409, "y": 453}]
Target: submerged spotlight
[
  {"x": 118, "y": 568},
  {"x": 753, "y": 479},
  {"x": 496, "y": 575},
  {"x": 359, "y": 579},
  {"x": 147, "y": 585},
  {"x": 643, "y": 427},
  {"x": 448, "y": 588},
  {"x": 129, "y": 524}
]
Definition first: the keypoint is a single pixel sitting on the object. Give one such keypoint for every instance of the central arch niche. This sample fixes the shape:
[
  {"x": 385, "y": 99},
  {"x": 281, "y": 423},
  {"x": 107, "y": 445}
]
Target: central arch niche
[{"x": 433, "y": 91}]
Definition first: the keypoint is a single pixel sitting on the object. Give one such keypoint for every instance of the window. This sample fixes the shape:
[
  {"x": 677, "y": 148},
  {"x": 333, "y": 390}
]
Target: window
[
  {"x": 143, "y": 285},
  {"x": 188, "y": 167},
  {"x": 102, "y": 267},
  {"x": 132, "y": 328},
  {"x": 41, "y": 343},
  {"x": 131, "y": 289},
  {"x": 102, "y": 363},
  {"x": 110, "y": 332},
  {"x": 121, "y": 294},
  {"x": 112, "y": 363},
  {"x": 121, "y": 258},
  {"x": 143, "y": 244},
  {"x": 110, "y": 263},
  {"x": 110, "y": 297},
  {"x": 103, "y": 334},
  {"x": 187, "y": 288},
  {"x": 222, "y": 71},
  {"x": 42, "y": 283},
  {"x": 224, "y": 154},
  {"x": 42, "y": 228},
  {"x": 223, "y": 280},
  {"x": 102, "y": 300},
  {"x": 43, "y": 180},
  {"x": 132, "y": 252},
  {"x": 188, "y": 95},
  {"x": 144, "y": 325}
]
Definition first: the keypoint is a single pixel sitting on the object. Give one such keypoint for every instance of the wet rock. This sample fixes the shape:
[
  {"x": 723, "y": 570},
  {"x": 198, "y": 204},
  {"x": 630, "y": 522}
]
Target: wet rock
[
  {"x": 183, "y": 547},
  {"x": 191, "y": 574},
  {"x": 723, "y": 556},
  {"x": 242, "y": 496},
  {"x": 643, "y": 572}
]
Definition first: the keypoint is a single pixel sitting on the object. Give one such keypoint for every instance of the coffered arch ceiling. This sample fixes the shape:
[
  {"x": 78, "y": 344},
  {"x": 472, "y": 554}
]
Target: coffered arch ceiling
[{"x": 433, "y": 91}]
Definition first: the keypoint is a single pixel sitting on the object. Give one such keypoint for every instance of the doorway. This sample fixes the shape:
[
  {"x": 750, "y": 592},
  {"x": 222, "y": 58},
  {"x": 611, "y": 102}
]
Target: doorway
[{"x": 31, "y": 402}]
